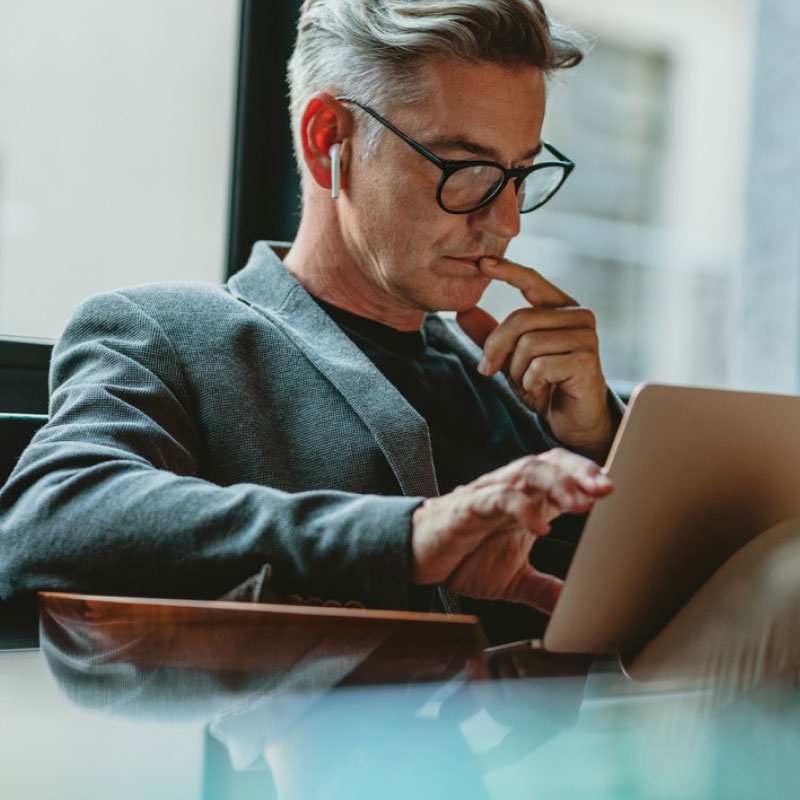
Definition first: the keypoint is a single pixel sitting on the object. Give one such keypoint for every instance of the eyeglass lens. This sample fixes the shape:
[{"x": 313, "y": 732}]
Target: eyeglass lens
[
  {"x": 467, "y": 188},
  {"x": 539, "y": 186}
]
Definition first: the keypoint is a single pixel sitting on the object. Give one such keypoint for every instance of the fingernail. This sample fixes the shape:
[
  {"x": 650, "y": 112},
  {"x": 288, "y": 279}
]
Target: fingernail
[
  {"x": 489, "y": 262},
  {"x": 602, "y": 481},
  {"x": 483, "y": 366}
]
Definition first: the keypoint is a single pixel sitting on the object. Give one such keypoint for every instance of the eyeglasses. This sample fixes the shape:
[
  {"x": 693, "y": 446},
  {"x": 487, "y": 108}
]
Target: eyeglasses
[{"x": 466, "y": 186}]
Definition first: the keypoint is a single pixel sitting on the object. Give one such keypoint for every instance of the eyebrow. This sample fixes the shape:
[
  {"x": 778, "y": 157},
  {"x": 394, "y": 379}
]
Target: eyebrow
[{"x": 461, "y": 143}]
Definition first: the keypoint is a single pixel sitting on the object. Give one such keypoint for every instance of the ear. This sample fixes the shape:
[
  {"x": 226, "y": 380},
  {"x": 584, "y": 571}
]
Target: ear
[{"x": 325, "y": 123}]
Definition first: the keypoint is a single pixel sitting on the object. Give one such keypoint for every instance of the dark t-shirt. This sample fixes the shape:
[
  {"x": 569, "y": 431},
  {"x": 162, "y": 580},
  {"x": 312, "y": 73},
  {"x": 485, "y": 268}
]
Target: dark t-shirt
[{"x": 471, "y": 433}]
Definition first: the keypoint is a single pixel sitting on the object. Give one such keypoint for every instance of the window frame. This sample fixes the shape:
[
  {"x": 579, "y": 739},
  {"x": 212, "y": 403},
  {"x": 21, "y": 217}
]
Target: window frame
[{"x": 264, "y": 184}]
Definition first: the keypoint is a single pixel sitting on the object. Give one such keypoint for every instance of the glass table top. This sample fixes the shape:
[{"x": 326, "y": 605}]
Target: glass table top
[{"x": 89, "y": 716}]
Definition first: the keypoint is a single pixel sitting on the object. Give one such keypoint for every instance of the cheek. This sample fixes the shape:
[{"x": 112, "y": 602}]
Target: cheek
[
  {"x": 388, "y": 203},
  {"x": 401, "y": 223}
]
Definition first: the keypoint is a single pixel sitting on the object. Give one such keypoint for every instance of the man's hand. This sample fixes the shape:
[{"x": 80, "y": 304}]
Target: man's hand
[
  {"x": 476, "y": 540},
  {"x": 549, "y": 354}
]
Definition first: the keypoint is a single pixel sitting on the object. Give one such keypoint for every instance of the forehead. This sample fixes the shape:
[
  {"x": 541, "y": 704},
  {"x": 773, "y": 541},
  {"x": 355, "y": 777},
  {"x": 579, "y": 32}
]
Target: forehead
[{"x": 493, "y": 105}]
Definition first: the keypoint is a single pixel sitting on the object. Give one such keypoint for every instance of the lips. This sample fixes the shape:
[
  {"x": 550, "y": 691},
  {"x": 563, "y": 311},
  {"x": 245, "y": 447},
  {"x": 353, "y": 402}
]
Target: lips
[
  {"x": 469, "y": 259},
  {"x": 469, "y": 263}
]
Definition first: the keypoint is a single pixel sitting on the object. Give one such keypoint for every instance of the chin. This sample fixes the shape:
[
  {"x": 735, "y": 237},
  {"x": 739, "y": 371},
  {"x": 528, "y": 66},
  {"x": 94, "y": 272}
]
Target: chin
[{"x": 463, "y": 295}]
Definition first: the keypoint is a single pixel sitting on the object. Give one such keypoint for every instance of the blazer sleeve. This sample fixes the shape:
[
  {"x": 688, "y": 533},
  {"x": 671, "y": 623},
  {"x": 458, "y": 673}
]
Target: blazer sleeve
[{"x": 108, "y": 497}]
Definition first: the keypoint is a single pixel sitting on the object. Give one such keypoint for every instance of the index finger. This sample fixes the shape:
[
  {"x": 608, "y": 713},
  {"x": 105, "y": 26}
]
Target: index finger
[
  {"x": 535, "y": 288},
  {"x": 556, "y": 467}
]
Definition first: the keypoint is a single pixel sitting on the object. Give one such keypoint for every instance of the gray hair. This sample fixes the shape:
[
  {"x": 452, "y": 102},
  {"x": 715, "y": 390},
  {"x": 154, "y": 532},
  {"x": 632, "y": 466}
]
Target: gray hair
[{"x": 373, "y": 49}]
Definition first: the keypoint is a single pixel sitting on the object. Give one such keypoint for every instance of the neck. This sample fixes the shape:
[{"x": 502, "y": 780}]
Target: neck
[{"x": 327, "y": 268}]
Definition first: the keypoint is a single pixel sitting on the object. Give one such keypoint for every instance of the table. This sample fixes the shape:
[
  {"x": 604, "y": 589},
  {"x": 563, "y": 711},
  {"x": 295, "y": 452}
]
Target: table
[{"x": 77, "y": 723}]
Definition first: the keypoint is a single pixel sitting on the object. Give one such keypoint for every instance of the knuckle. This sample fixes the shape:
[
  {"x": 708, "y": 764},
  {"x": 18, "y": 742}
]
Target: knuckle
[
  {"x": 530, "y": 382},
  {"x": 518, "y": 313},
  {"x": 532, "y": 463},
  {"x": 463, "y": 495},
  {"x": 534, "y": 373},
  {"x": 519, "y": 318},
  {"x": 548, "y": 457},
  {"x": 495, "y": 336},
  {"x": 588, "y": 339},
  {"x": 556, "y": 454},
  {"x": 581, "y": 316},
  {"x": 505, "y": 491}
]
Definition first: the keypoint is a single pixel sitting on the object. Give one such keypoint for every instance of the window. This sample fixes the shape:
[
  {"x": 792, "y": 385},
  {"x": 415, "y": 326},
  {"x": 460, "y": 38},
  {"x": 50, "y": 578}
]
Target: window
[
  {"x": 649, "y": 231},
  {"x": 115, "y": 167}
]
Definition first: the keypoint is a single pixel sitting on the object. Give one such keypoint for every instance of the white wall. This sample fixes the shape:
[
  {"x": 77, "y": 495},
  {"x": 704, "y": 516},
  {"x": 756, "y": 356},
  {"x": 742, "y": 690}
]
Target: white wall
[{"x": 114, "y": 149}]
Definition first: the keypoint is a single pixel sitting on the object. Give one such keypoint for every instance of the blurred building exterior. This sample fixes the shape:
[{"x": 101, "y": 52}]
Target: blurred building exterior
[
  {"x": 114, "y": 167},
  {"x": 649, "y": 231},
  {"x": 768, "y": 322}
]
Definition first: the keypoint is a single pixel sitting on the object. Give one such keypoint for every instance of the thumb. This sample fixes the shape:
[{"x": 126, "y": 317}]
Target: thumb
[
  {"x": 477, "y": 324},
  {"x": 537, "y": 589}
]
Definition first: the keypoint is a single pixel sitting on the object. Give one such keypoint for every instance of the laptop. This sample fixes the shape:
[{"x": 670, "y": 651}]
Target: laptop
[{"x": 697, "y": 473}]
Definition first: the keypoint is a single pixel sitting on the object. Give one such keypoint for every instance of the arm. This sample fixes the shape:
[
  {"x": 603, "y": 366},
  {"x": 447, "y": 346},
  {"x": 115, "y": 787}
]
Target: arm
[{"x": 110, "y": 498}]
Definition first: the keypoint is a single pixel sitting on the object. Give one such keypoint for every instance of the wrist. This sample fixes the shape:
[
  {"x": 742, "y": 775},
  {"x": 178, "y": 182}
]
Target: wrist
[
  {"x": 613, "y": 417},
  {"x": 599, "y": 449},
  {"x": 420, "y": 543}
]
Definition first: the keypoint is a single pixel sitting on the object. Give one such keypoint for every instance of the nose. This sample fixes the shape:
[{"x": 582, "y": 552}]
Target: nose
[{"x": 501, "y": 216}]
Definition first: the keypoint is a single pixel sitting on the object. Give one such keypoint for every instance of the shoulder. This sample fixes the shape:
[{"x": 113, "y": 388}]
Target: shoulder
[
  {"x": 155, "y": 298},
  {"x": 175, "y": 309},
  {"x": 169, "y": 299},
  {"x": 168, "y": 327}
]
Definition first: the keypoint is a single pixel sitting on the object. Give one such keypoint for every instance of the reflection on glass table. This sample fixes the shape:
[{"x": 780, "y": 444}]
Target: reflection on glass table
[{"x": 93, "y": 715}]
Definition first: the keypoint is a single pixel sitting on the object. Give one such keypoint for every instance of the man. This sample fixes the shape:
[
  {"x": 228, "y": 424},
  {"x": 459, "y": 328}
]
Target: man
[
  {"x": 312, "y": 431},
  {"x": 312, "y": 426}
]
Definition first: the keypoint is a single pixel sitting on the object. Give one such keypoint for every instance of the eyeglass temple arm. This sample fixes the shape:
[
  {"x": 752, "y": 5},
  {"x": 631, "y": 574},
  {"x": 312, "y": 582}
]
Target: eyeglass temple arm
[
  {"x": 423, "y": 151},
  {"x": 557, "y": 153}
]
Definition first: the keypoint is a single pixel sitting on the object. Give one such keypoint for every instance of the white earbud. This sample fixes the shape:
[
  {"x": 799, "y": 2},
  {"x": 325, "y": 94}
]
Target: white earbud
[{"x": 335, "y": 154}]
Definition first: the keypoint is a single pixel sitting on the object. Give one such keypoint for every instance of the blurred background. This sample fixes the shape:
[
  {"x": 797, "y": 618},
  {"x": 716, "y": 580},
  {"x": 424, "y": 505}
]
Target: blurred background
[{"x": 679, "y": 227}]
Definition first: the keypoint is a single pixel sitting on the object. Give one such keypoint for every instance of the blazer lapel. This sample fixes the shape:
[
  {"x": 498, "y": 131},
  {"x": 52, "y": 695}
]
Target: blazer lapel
[{"x": 400, "y": 432}]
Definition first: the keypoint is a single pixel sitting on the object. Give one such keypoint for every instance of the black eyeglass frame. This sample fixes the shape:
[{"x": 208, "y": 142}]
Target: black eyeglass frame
[{"x": 449, "y": 167}]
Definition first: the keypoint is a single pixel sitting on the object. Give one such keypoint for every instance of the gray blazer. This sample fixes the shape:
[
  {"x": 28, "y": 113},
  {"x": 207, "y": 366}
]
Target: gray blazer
[{"x": 200, "y": 435}]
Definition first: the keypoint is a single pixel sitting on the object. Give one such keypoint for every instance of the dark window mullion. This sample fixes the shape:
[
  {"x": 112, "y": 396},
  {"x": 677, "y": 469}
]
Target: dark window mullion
[{"x": 264, "y": 200}]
